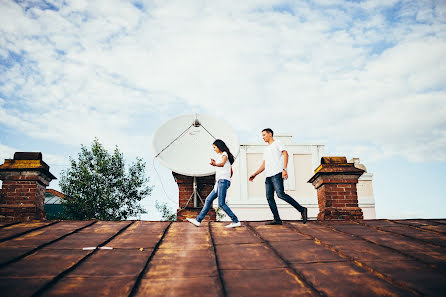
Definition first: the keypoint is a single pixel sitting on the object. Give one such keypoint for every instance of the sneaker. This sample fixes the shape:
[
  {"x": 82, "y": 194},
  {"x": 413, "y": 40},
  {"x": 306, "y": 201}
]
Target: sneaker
[
  {"x": 304, "y": 215},
  {"x": 274, "y": 223},
  {"x": 194, "y": 221},
  {"x": 233, "y": 225}
]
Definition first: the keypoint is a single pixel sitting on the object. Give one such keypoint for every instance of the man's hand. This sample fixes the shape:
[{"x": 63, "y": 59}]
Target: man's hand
[
  {"x": 251, "y": 178},
  {"x": 262, "y": 167},
  {"x": 284, "y": 174}
]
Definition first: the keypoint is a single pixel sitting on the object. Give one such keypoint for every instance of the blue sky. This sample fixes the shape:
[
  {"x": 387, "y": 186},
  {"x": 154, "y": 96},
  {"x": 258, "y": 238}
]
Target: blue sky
[{"x": 365, "y": 78}]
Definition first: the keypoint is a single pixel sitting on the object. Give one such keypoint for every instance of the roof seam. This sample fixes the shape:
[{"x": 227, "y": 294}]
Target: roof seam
[
  {"x": 27, "y": 231},
  {"x": 358, "y": 263},
  {"x": 403, "y": 235},
  {"x": 438, "y": 222},
  {"x": 417, "y": 228},
  {"x": 10, "y": 224},
  {"x": 145, "y": 268},
  {"x": 299, "y": 275},
  {"x": 432, "y": 266},
  {"x": 51, "y": 283},
  {"x": 217, "y": 263},
  {"x": 44, "y": 245}
]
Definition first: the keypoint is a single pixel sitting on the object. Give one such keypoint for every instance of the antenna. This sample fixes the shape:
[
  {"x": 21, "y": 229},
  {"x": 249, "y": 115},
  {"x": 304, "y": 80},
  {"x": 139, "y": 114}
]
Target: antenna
[{"x": 196, "y": 123}]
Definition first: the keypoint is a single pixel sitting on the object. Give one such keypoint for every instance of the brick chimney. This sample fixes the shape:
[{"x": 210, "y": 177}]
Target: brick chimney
[
  {"x": 335, "y": 181},
  {"x": 25, "y": 179},
  {"x": 187, "y": 208}
]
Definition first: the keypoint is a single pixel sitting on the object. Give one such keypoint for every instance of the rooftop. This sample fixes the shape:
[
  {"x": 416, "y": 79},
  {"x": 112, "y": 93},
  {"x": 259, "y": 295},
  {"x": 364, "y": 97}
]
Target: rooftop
[{"x": 141, "y": 258}]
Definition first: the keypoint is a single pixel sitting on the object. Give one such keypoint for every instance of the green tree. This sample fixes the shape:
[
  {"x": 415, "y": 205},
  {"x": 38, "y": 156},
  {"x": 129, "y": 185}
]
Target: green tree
[
  {"x": 167, "y": 214},
  {"x": 98, "y": 186}
]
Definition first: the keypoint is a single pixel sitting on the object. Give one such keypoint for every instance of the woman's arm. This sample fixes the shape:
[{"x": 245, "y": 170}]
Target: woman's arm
[{"x": 223, "y": 161}]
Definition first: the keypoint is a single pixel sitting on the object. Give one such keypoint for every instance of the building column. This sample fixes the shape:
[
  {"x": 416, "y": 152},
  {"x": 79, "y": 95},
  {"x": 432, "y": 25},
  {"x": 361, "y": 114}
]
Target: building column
[
  {"x": 205, "y": 184},
  {"x": 24, "y": 181},
  {"x": 335, "y": 181}
]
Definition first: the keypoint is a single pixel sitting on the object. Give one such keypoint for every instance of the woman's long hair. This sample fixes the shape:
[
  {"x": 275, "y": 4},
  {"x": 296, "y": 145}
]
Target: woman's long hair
[{"x": 223, "y": 148}]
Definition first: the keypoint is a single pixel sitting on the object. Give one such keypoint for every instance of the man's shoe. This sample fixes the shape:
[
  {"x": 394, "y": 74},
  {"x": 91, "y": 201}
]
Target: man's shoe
[
  {"x": 194, "y": 221},
  {"x": 233, "y": 225},
  {"x": 304, "y": 215},
  {"x": 274, "y": 223}
]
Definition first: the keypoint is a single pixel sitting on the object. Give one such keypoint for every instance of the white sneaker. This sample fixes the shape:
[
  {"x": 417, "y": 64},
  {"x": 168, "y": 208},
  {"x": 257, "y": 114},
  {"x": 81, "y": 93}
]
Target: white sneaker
[
  {"x": 233, "y": 225},
  {"x": 194, "y": 221}
]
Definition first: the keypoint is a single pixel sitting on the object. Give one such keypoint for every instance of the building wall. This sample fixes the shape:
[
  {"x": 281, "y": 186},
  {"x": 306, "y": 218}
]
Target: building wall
[
  {"x": 366, "y": 198},
  {"x": 248, "y": 201}
]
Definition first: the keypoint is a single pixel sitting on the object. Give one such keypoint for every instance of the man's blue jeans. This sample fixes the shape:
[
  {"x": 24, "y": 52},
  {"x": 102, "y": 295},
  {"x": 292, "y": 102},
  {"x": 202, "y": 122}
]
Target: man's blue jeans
[
  {"x": 275, "y": 183},
  {"x": 222, "y": 188}
]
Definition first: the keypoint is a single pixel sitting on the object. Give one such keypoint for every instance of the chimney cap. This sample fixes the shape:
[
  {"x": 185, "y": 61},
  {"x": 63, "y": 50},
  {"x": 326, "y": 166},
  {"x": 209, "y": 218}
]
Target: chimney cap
[
  {"x": 28, "y": 156},
  {"x": 333, "y": 160},
  {"x": 26, "y": 161}
]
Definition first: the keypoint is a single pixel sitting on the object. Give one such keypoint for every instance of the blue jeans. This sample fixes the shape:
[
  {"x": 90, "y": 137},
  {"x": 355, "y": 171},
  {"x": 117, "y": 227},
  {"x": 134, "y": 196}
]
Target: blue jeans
[
  {"x": 222, "y": 188},
  {"x": 275, "y": 183}
]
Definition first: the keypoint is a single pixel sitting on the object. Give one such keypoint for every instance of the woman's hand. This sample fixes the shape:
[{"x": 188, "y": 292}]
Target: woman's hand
[{"x": 212, "y": 162}]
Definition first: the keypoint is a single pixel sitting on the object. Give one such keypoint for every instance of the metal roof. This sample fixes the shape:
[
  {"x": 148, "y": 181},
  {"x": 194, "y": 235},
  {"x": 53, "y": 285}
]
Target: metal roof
[
  {"x": 53, "y": 197},
  {"x": 52, "y": 200},
  {"x": 141, "y": 258}
]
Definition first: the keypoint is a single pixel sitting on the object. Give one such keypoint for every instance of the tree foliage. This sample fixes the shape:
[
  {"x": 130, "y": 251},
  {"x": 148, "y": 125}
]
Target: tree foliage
[
  {"x": 98, "y": 186},
  {"x": 167, "y": 214}
]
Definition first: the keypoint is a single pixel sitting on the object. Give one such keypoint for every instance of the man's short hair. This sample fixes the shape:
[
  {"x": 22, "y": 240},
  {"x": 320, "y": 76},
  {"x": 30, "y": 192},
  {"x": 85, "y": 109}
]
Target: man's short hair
[{"x": 268, "y": 130}]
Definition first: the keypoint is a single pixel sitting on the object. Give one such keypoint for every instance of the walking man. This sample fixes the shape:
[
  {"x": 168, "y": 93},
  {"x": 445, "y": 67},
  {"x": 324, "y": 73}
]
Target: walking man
[{"x": 275, "y": 162}]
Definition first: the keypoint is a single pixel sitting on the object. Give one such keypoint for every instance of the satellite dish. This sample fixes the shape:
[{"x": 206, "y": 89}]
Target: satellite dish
[{"x": 184, "y": 144}]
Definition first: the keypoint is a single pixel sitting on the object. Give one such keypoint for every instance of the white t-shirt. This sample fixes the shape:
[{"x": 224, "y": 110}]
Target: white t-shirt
[
  {"x": 273, "y": 158},
  {"x": 225, "y": 171}
]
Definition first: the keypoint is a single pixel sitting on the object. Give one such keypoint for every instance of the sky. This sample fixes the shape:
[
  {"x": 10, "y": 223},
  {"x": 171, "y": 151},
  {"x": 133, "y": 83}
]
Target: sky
[{"x": 365, "y": 78}]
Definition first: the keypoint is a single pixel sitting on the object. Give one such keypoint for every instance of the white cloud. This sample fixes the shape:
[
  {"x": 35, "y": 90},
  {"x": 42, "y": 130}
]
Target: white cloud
[
  {"x": 95, "y": 68},
  {"x": 7, "y": 152},
  {"x": 374, "y": 4}
]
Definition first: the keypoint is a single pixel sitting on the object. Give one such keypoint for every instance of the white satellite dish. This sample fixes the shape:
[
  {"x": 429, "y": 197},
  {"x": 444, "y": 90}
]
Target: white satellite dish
[{"x": 184, "y": 144}]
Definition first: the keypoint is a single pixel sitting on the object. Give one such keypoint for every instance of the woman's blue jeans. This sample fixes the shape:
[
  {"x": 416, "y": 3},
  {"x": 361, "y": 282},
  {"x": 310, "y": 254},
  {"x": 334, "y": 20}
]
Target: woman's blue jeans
[{"x": 222, "y": 188}]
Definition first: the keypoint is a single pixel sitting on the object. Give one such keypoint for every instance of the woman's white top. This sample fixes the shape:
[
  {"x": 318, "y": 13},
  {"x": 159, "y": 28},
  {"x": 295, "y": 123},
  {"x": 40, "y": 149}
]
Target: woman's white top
[{"x": 225, "y": 171}]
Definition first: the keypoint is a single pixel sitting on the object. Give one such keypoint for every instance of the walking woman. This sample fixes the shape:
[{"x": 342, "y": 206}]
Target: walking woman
[{"x": 223, "y": 175}]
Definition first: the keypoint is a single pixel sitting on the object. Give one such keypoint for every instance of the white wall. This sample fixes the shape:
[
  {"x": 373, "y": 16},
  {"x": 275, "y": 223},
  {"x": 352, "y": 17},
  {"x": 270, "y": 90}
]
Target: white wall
[{"x": 248, "y": 201}]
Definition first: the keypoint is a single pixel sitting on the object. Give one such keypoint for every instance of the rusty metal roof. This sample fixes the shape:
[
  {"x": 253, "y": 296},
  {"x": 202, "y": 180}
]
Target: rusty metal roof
[{"x": 141, "y": 258}]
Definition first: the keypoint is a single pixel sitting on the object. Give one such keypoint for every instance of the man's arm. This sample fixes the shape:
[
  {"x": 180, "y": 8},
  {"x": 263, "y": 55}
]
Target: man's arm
[
  {"x": 285, "y": 164},
  {"x": 261, "y": 168}
]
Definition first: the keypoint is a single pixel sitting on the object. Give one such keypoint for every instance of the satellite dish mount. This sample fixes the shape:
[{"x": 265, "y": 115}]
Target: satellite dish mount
[
  {"x": 194, "y": 195},
  {"x": 196, "y": 123}
]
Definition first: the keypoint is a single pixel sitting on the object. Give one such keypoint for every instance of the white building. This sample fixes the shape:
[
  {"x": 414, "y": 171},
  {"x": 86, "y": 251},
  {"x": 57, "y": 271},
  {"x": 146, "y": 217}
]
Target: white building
[
  {"x": 366, "y": 198},
  {"x": 248, "y": 200}
]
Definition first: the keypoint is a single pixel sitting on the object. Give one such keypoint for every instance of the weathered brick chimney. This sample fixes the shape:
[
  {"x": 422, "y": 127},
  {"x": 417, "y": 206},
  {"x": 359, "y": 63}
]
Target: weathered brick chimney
[
  {"x": 187, "y": 208},
  {"x": 25, "y": 179},
  {"x": 335, "y": 181}
]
